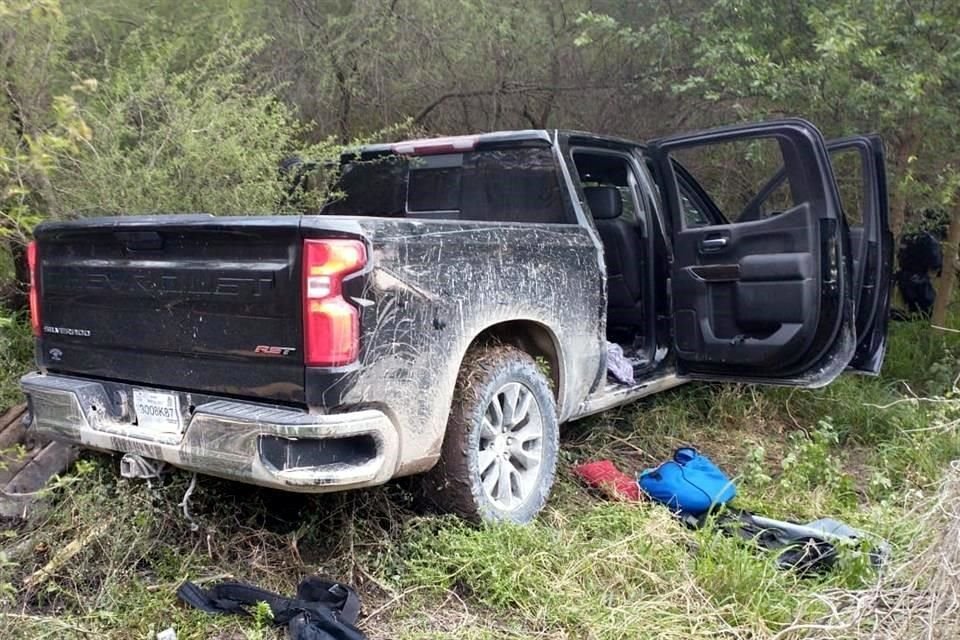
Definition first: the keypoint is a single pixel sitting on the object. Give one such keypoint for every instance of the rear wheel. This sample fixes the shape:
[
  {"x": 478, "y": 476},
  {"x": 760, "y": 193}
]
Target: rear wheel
[{"x": 500, "y": 451}]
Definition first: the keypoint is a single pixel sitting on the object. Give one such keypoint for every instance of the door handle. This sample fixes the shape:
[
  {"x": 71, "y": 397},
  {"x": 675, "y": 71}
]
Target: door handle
[{"x": 713, "y": 243}]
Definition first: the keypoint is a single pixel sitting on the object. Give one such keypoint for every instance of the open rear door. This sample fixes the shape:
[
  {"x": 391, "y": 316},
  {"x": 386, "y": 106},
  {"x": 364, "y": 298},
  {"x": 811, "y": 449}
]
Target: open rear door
[
  {"x": 768, "y": 299},
  {"x": 860, "y": 170}
]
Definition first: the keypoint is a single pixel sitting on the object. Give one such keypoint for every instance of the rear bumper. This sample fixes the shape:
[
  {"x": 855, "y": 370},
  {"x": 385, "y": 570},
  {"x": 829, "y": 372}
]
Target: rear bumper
[{"x": 226, "y": 438}]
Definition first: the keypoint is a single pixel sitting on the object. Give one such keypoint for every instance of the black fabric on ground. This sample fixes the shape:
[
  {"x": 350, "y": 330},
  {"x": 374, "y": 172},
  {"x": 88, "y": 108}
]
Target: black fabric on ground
[
  {"x": 322, "y": 610},
  {"x": 808, "y": 556},
  {"x": 804, "y": 554}
]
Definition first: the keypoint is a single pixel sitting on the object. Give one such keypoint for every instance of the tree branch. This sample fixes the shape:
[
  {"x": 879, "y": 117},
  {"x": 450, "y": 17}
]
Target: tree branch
[{"x": 506, "y": 90}]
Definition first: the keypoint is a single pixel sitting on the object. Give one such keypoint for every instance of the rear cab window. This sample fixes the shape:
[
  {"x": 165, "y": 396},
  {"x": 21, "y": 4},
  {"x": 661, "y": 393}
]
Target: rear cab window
[{"x": 497, "y": 185}]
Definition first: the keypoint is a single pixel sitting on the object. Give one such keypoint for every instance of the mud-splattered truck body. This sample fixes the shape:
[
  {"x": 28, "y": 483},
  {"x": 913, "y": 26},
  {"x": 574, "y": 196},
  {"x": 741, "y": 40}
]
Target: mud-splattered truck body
[{"x": 454, "y": 304}]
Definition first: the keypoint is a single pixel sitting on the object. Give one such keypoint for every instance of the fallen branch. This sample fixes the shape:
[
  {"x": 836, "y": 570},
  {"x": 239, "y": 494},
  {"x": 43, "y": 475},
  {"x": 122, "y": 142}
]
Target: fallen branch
[
  {"x": 62, "y": 556},
  {"x": 939, "y": 328},
  {"x": 47, "y": 621},
  {"x": 909, "y": 401},
  {"x": 199, "y": 581}
]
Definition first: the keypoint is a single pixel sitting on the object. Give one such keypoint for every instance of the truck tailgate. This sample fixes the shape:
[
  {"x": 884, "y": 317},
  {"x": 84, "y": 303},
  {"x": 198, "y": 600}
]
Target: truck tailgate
[{"x": 192, "y": 302}]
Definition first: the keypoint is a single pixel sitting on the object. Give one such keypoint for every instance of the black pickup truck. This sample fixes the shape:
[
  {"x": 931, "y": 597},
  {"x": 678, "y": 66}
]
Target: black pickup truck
[{"x": 453, "y": 305}]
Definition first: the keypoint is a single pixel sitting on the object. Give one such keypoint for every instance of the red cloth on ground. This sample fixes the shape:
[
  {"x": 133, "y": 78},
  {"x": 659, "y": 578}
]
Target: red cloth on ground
[{"x": 603, "y": 475}]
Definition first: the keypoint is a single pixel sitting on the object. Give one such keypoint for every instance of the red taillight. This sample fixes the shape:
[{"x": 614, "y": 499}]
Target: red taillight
[
  {"x": 331, "y": 325},
  {"x": 34, "y": 294}
]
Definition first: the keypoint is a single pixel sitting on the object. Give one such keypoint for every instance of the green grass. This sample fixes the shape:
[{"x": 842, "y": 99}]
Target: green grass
[{"x": 864, "y": 450}]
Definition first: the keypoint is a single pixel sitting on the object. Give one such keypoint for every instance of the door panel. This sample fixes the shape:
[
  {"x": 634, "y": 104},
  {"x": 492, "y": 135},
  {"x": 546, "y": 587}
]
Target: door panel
[
  {"x": 764, "y": 300},
  {"x": 757, "y": 318}
]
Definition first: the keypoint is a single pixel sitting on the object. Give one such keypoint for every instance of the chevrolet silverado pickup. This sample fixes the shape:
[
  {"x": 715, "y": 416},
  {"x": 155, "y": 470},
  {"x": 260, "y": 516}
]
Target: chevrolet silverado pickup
[{"x": 452, "y": 304}]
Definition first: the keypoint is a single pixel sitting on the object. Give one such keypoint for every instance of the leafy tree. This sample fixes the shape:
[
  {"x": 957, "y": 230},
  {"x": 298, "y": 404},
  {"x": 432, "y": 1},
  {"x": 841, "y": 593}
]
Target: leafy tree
[
  {"x": 175, "y": 137},
  {"x": 195, "y": 108},
  {"x": 854, "y": 66},
  {"x": 851, "y": 66},
  {"x": 36, "y": 128}
]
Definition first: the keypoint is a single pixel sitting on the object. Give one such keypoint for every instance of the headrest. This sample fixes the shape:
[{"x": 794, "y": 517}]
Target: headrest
[{"x": 604, "y": 202}]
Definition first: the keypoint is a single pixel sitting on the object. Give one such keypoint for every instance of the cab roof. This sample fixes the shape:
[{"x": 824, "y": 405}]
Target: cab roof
[{"x": 492, "y": 140}]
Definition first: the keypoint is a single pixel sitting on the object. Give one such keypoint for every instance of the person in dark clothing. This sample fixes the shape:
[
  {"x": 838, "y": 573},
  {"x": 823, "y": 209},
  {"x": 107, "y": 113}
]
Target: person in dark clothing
[{"x": 919, "y": 255}]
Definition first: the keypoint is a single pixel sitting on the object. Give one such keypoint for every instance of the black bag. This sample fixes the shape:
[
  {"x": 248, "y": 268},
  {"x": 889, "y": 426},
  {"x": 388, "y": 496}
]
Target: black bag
[
  {"x": 322, "y": 610},
  {"x": 919, "y": 254}
]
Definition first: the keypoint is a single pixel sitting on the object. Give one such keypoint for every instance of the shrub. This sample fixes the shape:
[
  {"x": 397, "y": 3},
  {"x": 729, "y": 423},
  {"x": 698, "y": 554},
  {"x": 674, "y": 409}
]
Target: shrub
[{"x": 203, "y": 137}]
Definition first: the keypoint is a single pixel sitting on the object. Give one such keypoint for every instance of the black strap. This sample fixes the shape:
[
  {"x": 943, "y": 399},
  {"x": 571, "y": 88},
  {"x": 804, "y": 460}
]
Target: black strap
[{"x": 231, "y": 597}]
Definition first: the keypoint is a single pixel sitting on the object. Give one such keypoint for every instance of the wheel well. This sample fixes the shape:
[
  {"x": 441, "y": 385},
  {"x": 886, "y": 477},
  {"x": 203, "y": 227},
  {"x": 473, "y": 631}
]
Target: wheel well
[{"x": 532, "y": 338}]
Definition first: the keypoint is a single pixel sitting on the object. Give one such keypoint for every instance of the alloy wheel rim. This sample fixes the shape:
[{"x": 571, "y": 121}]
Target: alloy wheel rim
[{"x": 511, "y": 446}]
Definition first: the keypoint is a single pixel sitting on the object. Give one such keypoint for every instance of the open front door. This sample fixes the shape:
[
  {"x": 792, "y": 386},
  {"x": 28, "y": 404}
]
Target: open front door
[
  {"x": 766, "y": 299},
  {"x": 860, "y": 168}
]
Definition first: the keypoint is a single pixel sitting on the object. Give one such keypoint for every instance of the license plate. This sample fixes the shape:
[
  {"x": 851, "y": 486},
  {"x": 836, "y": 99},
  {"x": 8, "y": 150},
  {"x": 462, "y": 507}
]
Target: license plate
[{"x": 158, "y": 411}]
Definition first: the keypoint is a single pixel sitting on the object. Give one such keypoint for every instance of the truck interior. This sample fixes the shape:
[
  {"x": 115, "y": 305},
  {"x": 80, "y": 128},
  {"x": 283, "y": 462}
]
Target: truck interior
[{"x": 623, "y": 222}]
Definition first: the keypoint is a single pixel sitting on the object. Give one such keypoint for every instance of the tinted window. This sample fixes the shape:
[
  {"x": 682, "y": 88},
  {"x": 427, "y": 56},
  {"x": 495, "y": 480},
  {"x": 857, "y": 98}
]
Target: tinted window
[
  {"x": 611, "y": 170},
  {"x": 376, "y": 187},
  {"x": 696, "y": 212},
  {"x": 435, "y": 184},
  {"x": 733, "y": 176},
  {"x": 848, "y": 171},
  {"x": 693, "y": 216},
  {"x": 508, "y": 185}
]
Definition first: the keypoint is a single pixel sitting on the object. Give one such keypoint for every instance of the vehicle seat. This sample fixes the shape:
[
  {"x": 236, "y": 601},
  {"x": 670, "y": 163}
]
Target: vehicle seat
[{"x": 623, "y": 254}]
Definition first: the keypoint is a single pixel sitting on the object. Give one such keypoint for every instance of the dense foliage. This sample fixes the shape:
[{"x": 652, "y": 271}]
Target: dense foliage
[
  {"x": 131, "y": 106},
  {"x": 141, "y": 106}
]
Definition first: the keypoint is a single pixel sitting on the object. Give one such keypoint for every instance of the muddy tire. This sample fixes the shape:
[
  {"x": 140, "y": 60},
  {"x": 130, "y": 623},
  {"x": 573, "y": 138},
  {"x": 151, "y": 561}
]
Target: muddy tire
[{"x": 500, "y": 450}]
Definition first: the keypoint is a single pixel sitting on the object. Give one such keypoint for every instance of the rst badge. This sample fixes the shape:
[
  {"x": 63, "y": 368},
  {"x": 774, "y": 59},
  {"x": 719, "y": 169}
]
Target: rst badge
[{"x": 273, "y": 351}]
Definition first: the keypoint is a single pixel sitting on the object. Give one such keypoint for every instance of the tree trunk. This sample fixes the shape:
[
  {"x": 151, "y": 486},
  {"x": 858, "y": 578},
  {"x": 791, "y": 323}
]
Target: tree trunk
[
  {"x": 901, "y": 160},
  {"x": 949, "y": 274},
  {"x": 345, "y": 102}
]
